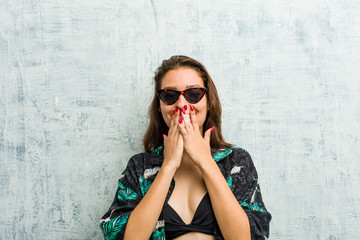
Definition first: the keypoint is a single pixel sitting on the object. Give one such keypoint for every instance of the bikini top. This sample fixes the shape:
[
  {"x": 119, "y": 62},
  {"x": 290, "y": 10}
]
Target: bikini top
[{"x": 203, "y": 221}]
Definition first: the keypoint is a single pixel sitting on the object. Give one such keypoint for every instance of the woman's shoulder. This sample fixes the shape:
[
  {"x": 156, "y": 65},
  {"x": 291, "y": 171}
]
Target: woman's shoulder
[
  {"x": 156, "y": 153},
  {"x": 232, "y": 153},
  {"x": 231, "y": 149},
  {"x": 241, "y": 151},
  {"x": 147, "y": 159}
]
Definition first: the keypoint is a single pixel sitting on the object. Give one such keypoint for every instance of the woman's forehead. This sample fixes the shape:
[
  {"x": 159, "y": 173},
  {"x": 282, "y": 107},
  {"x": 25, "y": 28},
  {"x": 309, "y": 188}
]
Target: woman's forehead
[{"x": 182, "y": 78}]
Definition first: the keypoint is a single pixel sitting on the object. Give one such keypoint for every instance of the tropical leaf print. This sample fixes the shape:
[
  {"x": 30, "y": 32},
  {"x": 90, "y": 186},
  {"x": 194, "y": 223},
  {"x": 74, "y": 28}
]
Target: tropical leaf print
[
  {"x": 126, "y": 193},
  {"x": 158, "y": 234},
  {"x": 144, "y": 185},
  {"x": 111, "y": 228},
  {"x": 158, "y": 149},
  {"x": 229, "y": 181},
  {"x": 253, "y": 206},
  {"x": 220, "y": 155}
]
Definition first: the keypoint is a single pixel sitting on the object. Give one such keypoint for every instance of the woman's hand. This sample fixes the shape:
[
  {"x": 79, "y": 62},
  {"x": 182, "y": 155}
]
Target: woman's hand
[
  {"x": 197, "y": 146},
  {"x": 173, "y": 143}
]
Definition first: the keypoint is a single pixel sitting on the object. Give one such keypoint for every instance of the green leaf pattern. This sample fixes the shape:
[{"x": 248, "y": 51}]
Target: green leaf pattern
[
  {"x": 229, "y": 181},
  {"x": 158, "y": 234},
  {"x": 158, "y": 149},
  {"x": 252, "y": 206},
  {"x": 126, "y": 193},
  {"x": 221, "y": 155},
  {"x": 144, "y": 185},
  {"x": 111, "y": 228}
]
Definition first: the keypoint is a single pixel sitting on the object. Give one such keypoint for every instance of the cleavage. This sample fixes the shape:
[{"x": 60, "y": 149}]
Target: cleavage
[
  {"x": 185, "y": 200},
  {"x": 195, "y": 213}
]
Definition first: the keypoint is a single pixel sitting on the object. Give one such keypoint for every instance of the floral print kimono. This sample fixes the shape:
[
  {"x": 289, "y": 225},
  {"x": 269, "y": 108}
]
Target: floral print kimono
[{"x": 236, "y": 166}]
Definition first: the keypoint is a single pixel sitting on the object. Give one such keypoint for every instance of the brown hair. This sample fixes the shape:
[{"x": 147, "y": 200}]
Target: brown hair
[{"x": 157, "y": 126}]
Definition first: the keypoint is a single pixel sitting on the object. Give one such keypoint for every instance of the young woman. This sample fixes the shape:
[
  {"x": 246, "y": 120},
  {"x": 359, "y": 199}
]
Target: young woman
[{"x": 190, "y": 183}]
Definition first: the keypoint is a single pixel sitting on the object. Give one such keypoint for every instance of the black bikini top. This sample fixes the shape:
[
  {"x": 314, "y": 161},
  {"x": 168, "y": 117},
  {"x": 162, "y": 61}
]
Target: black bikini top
[{"x": 203, "y": 221}]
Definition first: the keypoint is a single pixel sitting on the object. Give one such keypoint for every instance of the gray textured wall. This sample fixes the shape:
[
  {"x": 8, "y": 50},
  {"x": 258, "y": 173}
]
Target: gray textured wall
[{"x": 76, "y": 81}]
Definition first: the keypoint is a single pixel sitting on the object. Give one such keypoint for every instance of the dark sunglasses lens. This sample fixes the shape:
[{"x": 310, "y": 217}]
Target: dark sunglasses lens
[
  {"x": 169, "y": 97},
  {"x": 194, "y": 95}
]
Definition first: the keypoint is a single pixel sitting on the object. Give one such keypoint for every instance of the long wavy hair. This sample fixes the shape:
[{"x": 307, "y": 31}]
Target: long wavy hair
[{"x": 157, "y": 126}]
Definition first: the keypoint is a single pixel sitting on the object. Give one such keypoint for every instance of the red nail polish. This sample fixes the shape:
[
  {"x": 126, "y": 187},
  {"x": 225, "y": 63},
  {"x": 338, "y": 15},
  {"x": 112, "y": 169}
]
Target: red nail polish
[
  {"x": 212, "y": 129},
  {"x": 173, "y": 112},
  {"x": 191, "y": 108},
  {"x": 176, "y": 109},
  {"x": 163, "y": 135},
  {"x": 183, "y": 111},
  {"x": 185, "y": 107},
  {"x": 180, "y": 121}
]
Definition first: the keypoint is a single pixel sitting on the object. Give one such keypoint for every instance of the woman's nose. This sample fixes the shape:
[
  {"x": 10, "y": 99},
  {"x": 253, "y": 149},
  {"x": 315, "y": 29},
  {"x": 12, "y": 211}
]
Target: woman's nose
[{"x": 181, "y": 102}]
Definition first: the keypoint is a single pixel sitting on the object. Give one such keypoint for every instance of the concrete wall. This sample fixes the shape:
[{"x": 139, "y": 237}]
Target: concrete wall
[{"x": 76, "y": 81}]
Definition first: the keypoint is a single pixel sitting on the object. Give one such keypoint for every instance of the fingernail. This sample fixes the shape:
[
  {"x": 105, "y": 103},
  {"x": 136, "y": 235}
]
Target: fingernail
[
  {"x": 163, "y": 135},
  {"x": 176, "y": 109},
  {"x": 183, "y": 111},
  {"x": 185, "y": 107},
  {"x": 180, "y": 121},
  {"x": 191, "y": 108},
  {"x": 173, "y": 112},
  {"x": 212, "y": 129}
]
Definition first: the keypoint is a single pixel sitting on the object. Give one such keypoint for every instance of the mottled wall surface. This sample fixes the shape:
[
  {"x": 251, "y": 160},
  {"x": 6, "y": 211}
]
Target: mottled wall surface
[{"x": 76, "y": 82}]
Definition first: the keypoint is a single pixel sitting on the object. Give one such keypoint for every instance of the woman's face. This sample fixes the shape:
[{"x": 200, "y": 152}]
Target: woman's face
[{"x": 181, "y": 79}]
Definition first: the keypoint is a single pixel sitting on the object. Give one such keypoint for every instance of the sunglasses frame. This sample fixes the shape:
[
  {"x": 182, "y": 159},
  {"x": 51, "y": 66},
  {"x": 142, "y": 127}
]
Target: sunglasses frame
[{"x": 158, "y": 93}]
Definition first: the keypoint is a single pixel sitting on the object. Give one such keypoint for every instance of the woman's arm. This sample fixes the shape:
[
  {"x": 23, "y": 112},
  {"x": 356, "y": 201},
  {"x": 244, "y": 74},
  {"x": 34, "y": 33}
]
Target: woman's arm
[
  {"x": 148, "y": 210},
  {"x": 232, "y": 219},
  {"x": 243, "y": 181}
]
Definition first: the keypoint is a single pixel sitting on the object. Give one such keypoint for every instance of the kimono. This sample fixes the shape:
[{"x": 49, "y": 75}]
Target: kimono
[{"x": 234, "y": 163}]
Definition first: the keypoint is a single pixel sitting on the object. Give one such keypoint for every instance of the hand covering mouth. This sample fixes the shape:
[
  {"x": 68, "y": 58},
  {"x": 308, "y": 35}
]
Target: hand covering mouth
[{"x": 185, "y": 117}]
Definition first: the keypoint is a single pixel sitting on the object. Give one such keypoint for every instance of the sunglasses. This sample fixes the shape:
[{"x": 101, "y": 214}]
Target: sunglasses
[{"x": 192, "y": 95}]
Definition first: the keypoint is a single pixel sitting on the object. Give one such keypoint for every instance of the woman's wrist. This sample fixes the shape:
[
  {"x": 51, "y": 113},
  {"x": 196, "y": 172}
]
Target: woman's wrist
[
  {"x": 206, "y": 164},
  {"x": 168, "y": 169}
]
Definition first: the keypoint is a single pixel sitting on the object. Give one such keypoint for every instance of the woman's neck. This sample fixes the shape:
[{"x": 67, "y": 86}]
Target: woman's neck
[
  {"x": 187, "y": 164},
  {"x": 186, "y": 159}
]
